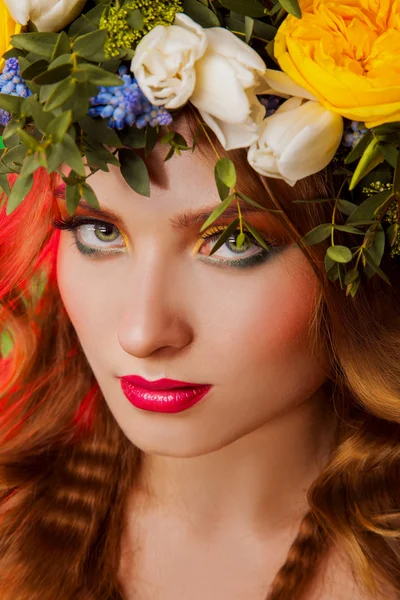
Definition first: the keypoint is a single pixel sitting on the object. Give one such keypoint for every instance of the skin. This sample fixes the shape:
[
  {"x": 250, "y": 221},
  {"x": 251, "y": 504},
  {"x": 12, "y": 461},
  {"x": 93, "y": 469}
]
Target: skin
[{"x": 226, "y": 480}]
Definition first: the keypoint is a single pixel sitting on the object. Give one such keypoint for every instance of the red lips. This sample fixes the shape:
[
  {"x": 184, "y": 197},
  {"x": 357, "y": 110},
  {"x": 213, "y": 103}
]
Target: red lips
[{"x": 160, "y": 384}]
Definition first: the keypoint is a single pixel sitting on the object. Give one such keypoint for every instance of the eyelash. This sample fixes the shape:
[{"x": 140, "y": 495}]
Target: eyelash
[{"x": 73, "y": 223}]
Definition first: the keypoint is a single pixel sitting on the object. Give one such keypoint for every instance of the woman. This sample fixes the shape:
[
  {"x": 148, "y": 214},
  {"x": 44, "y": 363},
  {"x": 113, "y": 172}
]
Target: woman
[{"x": 273, "y": 474}]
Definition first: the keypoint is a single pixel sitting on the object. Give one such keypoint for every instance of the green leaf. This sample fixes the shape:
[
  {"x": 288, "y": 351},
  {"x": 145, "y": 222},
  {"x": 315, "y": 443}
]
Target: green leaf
[
  {"x": 134, "y": 171},
  {"x": 251, "y": 8},
  {"x": 62, "y": 46},
  {"x": 249, "y": 200},
  {"x": 59, "y": 126},
  {"x": 11, "y": 104},
  {"x": 19, "y": 191},
  {"x": 15, "y": 156},
  {"x": 348, "y": 229},
  {"x": 60, "y": 94},
  {"x": 225, "y": 172},
  {"x": 392, "y": 232},
  {"x": 72, "y": 197},
  {"x": 72, "y": 155},
  {"x": 90, "y": 196},
  {"x": 98, "y": 130},
  {"x": 36, "y": 68},
  {"x": 369, "y": 160},
  {"x": 42, "y": 44},
  {"x": 292, "y": 7},
  {"x": 352, "y": 288},
  {"x": 135, "y": 19},
  {"x": 54, "y": 75},
  {"x": 396, "y": 179},
  {"x": 28, "y": 140},
  {"x": 256, "y": 235},
  {"x": 367, "y": 210},
  {"x": 30, "y": 165},
  {"x": 200, "y": 13},
  {"x": 91, "y": 46},
  {"x": 317, "y": 235},
  {"x": 375, "y": 268},
  {"x": 346, "y": 207},
  {"x": 132, "y": 137},
  {"x": 240, "y": 240},
  {"x": 169, "y": 154},
  {"x": 226, "y": 234},
  {"x": 351, "y": 276},
  {"x": 55, "y": 157},
  {"x": 4, "y": 185},
  {"x": 6, "y": 344},
  {"x": 264, "y": 31},
  {"x": 360, "y": 148},
  {"x": 99, "y": 76},
  {"x": 217, "y": 212},
  {"x": 249, "y": 29},
  {"x": 377, "y": 249},
  {"x": 390, "y": 154},
  {"x": 11, "y": 129},
  {"x": 340, "y": 254}
]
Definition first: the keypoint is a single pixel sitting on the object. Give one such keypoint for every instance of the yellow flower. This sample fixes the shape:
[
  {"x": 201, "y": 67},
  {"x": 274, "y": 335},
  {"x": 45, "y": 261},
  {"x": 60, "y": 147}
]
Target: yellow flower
[
  {"x": 347, "y": 54},
  {"x": 8, "y": 27}
]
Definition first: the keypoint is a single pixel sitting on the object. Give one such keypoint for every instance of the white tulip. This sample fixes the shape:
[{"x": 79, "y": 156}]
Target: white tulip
[
  {"x": 299, "y": 139},
  {"x": 47, "y": 15},
  {"x": 227, "y": 77},
  {"x": 164, "y": 61}
]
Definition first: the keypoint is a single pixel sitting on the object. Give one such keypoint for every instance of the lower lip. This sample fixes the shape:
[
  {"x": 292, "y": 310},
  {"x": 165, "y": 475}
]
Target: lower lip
[{"x": 163, "y": 401}]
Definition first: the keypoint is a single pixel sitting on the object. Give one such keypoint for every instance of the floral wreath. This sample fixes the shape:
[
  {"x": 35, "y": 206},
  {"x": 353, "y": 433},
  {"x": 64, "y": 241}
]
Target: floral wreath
[{"x": 298, "y": 83}]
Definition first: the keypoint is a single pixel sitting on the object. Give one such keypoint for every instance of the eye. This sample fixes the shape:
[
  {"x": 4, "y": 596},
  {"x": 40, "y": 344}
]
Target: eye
[
  {"x": 92, "y": 235},
  {"x": 230, "y": 254}
]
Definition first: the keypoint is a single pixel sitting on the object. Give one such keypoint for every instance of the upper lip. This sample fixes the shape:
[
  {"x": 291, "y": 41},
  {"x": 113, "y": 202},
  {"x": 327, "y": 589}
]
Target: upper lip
[{"x": 160, "y": 384}]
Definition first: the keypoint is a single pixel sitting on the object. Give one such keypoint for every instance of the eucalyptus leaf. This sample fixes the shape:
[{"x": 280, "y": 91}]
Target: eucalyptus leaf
[
  {"x": 135, "y": 19},
  {"x": 62, "y": 46},
  {"x": 134, "y": 171},
  {"x": 151, "y": 137},
  {"x": 30, "y": 165},
  {"x": 351, "y": 276},
  {"x": 317, "y": 235},
  {"x": 396, "y": 179},
  {"x": 249, "y": 200},
  {"x": 346, "y": 207},
  {"x": 34, "y": 69},
  {"x": 72, "y": 197},
  {"x": 200, "y": 13},
  {"x": 54, "y": 75},
  {"x": 11, "y": 104},
  {"x": 377, "y": 249},
  {"x": 391, "y": 233},
  {"x": 226, "y": 234},
  {"x": 60, "y": 94},
  {"x": 225, "y": 172},
  {"x": 19, "y": 191},
  {"x": 72, "y": 155},
  {"x": 240, "y": 240},
  {"x": 390, "y": 154},
  {"x": 374, "y": 267},
  {"x": 257, "y": 236},
  {"x": 90, "y": 196},
  {"x": 59, "y": 126},
  {"x": 98, "y": 130},
  {"x": 249, "y": 29},
  {"x": 370, "y": 159},
  {"x": 251, "y": 8},
  {"x": 360, "y": 148},
  {"x": 292, "y": 7},
  {"x": 99, "y": 76},
  {"x": 217, "y": 212},
  {"x": 91, "y": 46},
  {"x": 340, "y": 254},
  {"x": 28, "y": 140},
  {"x": 367, "y": 210},
  {"x": 42, "y": 44},
  {"x": 55, "y": 157}
]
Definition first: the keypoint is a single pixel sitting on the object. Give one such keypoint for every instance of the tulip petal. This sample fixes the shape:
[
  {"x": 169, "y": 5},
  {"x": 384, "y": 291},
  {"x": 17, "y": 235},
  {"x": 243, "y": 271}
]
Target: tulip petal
[
  {"x": 48, "y": 16},
  {"x": 223, "y": 42},
  {"x": 230, "y": 135},
  {"x": 314, "y": 147},
  {"x": 283, "y": 84},
  {"x": 218, "y": 91}
]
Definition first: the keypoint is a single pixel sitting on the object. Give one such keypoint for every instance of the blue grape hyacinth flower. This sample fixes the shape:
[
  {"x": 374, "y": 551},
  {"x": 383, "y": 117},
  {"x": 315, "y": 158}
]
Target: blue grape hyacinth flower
[
  {"x": 12, "y": 83},
  {"x": 126, "y": 105}
]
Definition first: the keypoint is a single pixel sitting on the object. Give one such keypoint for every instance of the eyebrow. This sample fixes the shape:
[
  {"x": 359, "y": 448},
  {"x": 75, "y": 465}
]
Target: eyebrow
[{"x": 183, "y": 220}]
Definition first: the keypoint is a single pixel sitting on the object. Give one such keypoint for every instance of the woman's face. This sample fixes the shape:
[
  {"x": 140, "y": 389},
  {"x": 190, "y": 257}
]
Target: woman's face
[{"x": 148, "y": 306}]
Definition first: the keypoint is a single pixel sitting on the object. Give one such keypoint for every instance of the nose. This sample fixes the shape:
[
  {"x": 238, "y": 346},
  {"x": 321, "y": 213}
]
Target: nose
[{"x": 153, "y": 316}]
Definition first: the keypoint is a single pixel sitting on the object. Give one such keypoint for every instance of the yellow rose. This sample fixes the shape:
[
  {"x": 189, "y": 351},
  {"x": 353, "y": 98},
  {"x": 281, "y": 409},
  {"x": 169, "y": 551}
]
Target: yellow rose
[
  {"x": 347, "y": 54},
  {"x": 8, "y": 27}
]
